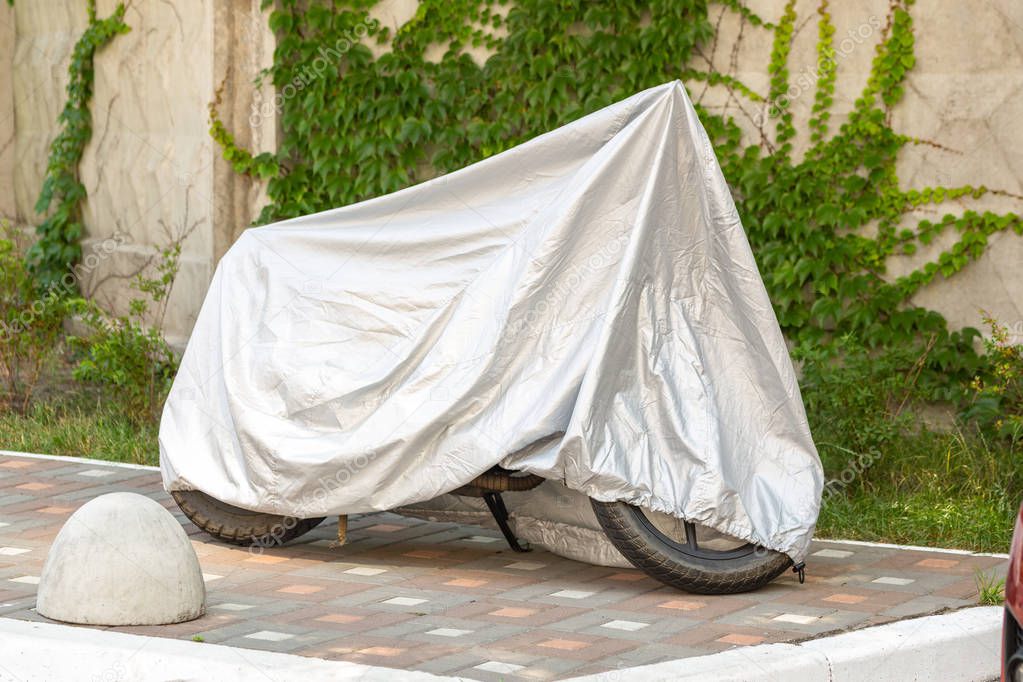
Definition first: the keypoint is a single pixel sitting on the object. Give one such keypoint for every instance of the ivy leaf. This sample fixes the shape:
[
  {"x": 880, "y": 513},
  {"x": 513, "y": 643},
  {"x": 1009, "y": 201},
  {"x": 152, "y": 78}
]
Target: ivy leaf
[{"x": 828, "y": 214}]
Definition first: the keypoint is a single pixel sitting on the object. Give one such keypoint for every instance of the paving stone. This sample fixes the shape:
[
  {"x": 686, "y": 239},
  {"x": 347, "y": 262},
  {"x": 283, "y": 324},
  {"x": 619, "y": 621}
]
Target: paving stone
[
  {"x": 447, "y": 599},
  {"x": 448, "y": 664},
  {"x": 595, "y": 622},
  {"x": 805, "y": 619},
  {"x": 647, "y": 654},
  {"x": 919, "y": 606}
]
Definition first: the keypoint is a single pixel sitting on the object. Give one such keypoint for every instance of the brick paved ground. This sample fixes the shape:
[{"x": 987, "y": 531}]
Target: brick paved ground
[{"x": 452, "y": 599}]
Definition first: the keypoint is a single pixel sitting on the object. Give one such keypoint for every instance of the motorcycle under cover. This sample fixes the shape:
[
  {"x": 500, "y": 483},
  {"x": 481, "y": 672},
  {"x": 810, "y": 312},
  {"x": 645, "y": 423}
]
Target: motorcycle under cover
[{"x": 584, "y": 306}]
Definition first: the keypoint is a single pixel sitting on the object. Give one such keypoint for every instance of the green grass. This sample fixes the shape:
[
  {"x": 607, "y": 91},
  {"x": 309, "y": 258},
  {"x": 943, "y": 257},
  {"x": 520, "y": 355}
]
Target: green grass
[
  {"x": 978, "y": 523},
  {"x": 911, "y": 468},
  {"x": 940, "y": 489},
  {"x": 73, "y": 418},
  {"x": 990, "y": 589},
  {"x": 79, "y": 425}
]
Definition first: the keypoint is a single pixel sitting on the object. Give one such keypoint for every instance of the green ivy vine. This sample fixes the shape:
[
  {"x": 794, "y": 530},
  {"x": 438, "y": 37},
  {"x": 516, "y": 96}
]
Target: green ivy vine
[
  {"x": 808, "y": 220},
  {"x": 355, "y": 126},
  {"x": 58, "y": 245}
]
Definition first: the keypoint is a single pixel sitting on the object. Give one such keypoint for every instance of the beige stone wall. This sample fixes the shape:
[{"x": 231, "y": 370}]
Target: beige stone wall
[
  {"x": 7, "y": 149},
  {"x": 44, "y": 35},
  {"x": 965, "y": 93},
  {"x": 152, "y": 171}
]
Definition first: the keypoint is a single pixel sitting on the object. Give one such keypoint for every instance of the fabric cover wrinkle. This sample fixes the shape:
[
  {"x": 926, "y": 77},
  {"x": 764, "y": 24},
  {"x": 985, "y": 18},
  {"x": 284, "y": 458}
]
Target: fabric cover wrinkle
[{"x": 584, "y": 306}]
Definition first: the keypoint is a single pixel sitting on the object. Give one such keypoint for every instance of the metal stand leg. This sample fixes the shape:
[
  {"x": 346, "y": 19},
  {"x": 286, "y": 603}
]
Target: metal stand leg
[{"x": 500, "y": 512}]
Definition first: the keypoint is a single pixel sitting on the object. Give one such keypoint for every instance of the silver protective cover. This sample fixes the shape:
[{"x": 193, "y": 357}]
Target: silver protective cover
[{"x": 584, "y": 306}]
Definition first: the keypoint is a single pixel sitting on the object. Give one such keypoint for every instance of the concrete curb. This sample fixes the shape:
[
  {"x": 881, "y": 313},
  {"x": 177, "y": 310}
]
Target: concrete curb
[
  {"x": 914, "y": 548},
  {"x": 79, "y": 460},
  {"x": 51, "y": 652},
  {"x": 958, "y": 647},
  {"x": 963, "y": 646}
]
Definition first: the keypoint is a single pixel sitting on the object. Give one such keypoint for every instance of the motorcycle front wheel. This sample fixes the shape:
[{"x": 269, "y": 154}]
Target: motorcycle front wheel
[{"x": 686, "y": 555}]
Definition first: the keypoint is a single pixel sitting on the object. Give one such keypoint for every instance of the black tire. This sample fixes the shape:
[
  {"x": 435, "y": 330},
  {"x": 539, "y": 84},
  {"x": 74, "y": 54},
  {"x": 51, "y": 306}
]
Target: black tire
[
  {"x": 240, "y": 526},
  {"x": 740, "y": 570},
  {"x": 1012, "y": 648}
]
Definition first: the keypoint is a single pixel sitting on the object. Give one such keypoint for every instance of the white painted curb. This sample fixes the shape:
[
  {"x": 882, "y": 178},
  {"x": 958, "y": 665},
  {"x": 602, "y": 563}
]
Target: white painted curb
[
  {"x": 914, "y": 548},
  {"x": 47, "y": 652},
  {"x": 963, "y": 646},
  {"x": 79, "y": 460},
  {"x": 957, "y": 647}
]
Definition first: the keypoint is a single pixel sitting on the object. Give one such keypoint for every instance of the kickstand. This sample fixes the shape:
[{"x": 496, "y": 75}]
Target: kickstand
[{"x": 500, "y": 512}]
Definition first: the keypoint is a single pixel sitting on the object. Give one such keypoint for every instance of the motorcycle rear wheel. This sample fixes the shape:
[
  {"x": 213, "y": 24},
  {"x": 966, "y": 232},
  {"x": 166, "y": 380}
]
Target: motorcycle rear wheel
[
  {"x": 240, "y": 526},
  {"x": 671, "y": 551}
]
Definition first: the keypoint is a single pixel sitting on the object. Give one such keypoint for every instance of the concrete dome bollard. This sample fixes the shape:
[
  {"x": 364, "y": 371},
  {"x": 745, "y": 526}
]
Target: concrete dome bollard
[{"x": 121, "y": 559}]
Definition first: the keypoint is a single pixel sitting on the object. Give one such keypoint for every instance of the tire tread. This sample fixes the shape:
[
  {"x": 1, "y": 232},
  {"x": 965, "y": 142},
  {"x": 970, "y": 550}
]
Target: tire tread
[
  {"x": 674, "y": 568},
  {"x": 240, "y": 527}
]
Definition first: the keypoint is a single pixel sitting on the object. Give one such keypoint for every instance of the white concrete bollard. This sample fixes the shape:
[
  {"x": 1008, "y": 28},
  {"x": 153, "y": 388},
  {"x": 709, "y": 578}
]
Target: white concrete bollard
[{"x": 121, "y": 559}]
